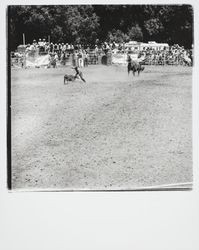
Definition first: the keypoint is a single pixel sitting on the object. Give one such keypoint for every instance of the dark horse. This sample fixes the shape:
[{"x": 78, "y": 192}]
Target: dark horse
[{"x": 134, "y": 66}]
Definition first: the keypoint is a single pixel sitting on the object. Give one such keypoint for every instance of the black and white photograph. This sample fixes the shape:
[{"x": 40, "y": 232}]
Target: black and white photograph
[
  {"x": 100, "y": 97},
  {"x": 99, "y": 111}
]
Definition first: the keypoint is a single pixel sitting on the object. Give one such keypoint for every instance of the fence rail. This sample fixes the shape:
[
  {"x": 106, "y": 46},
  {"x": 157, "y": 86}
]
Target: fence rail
[{"x": 93, "y": 58}]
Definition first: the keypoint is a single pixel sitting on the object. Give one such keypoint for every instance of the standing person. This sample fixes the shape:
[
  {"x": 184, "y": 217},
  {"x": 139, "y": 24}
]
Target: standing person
[
  {"x": 59, "y": 50},
  {"x": 49, "y": 59},
  {"x": 53, "y": 61},
  {"x": 44, "y": 42},
  {"x": 74, "y": 59},
  {"x": 47, "y": 47},
  {"x": 41, "y": 46},
  {"x": 63, "y": 48},
  {"x": 23, "y": 60},
  {"x": 56, "y": 57},
  {"x": 85, "y": 58},
  {"x": 71, "y": 47},
  {"x": 75, "y": 47},
  {"x": 63, "y": 58},
  {"x": 40, "y": 42},
  {"x": 67, "y": 46},
  {"x": 80, "y": 59},
  {"x": 55, "y": 48},
  {"x": 35, "y": 44},
  {"x": 51, "y": 47}
]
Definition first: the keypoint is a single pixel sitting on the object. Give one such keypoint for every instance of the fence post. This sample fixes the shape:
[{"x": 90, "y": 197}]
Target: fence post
[{"x": 24, "y": 40}]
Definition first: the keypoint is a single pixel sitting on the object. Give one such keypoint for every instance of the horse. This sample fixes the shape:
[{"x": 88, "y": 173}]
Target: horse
[{"x": 135, "y": 67}]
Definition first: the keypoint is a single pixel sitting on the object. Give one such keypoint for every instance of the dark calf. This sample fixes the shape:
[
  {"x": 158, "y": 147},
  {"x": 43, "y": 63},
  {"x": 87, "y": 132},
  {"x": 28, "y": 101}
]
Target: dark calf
[{"x": 69, "y": 78}]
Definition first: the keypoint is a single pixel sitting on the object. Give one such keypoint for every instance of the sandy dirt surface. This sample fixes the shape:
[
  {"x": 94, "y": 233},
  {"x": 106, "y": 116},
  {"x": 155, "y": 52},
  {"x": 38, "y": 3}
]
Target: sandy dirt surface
[{"x": 113, "y": 132}]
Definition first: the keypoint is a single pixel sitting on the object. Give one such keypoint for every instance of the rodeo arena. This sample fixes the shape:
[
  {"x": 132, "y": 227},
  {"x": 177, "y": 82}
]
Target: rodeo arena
[{"x": 107, "y": 117}]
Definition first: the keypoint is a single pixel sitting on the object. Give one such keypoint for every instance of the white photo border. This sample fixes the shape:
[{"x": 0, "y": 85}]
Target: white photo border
[{"x": 150, "y": 220}]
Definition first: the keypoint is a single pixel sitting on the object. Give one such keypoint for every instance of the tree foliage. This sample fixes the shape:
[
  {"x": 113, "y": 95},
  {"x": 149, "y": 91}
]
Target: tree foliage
[
  {"x": 135, "y": 33},
  {"x": 88, "y": 23},
  {"x": 117, "y": 36}
]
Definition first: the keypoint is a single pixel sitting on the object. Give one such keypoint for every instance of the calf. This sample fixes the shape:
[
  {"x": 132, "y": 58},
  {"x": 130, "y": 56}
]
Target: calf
[{"x": 69, "y": 78}]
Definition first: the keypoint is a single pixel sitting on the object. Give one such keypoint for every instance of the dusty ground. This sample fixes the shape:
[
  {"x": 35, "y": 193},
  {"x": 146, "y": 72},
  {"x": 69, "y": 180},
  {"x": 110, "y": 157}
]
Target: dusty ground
[{"x": 114, "y": 132}]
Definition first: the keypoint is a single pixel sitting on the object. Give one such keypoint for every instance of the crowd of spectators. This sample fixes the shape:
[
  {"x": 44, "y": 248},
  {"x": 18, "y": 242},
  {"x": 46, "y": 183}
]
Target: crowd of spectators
[
  {"x": 82, "y": 55},
  {"x": 173, "y": 55}
]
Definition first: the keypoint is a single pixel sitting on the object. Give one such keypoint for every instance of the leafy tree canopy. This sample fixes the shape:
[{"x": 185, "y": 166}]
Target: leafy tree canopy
[{"x": 90, "y": 23}]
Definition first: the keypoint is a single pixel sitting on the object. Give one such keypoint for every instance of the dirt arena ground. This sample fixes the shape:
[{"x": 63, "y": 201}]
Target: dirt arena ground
[{"x": 113, "y": 132}]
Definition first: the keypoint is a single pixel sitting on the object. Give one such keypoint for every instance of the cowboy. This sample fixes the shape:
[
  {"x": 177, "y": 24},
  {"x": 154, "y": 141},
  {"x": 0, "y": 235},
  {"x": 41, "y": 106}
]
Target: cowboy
[{"x": 78, "y": 73}]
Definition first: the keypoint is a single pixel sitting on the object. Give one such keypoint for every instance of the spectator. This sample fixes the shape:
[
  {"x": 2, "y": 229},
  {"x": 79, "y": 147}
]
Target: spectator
[
  {"x": 85, "y": 58},
  {"x": 35, "y": 44},
  {"x": 44, "y": 42},
  {"x": 80, "y": 59},
  {"x": 47, "y": 47},
  {"x": 63, "y": 47},
  {"x": 51, "y": 47},
  {"x": 56, "y": 48},
  {"x": 74, "y": 59},
  {"x": 40, "y": 43}
]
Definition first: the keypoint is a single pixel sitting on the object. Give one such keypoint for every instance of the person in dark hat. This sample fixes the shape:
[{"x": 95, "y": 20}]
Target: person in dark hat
[
  {"x": 34, "y": 44},
  {"x": 51, "y": 47}
]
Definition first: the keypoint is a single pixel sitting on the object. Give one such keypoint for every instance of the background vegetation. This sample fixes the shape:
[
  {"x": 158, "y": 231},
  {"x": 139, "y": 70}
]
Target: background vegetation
[{"x": 90, "y": 24}]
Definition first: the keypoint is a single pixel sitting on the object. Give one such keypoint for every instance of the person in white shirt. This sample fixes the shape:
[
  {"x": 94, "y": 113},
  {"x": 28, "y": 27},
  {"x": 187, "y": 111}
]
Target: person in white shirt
[
  {"x": 44, "y": 42},
  {"x": 40, "y": 43}
]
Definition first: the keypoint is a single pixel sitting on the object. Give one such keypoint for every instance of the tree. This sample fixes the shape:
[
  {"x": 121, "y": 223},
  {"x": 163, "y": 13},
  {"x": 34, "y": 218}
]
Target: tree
[
  {"x": 75, "y": 24},
  {"x": 154, "y": 28},
  {"x": 135, "y": 33},
  {"x": 179, "y": 25},
  {"x": 87, "y": 23},
  {"x": 117, "y": 36},
  {"x": 82, "y": 23}
]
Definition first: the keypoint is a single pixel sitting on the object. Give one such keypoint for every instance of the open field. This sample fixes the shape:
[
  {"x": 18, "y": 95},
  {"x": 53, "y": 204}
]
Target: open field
[{"x": 113, "y": 132}]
